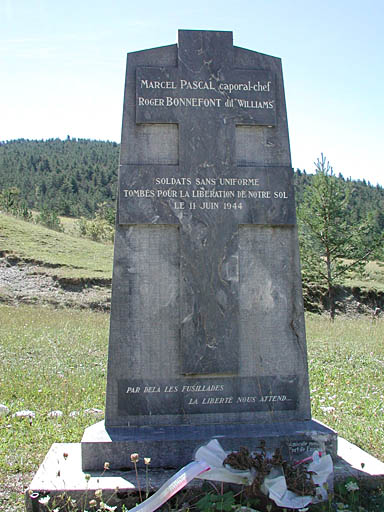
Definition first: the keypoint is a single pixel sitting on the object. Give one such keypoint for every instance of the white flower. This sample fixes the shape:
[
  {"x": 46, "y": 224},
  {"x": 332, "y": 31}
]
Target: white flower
[
  {"x": 104, "y": 506},
  {"x": 45, "y": 500},
  {"x": 352, "y": 486}
]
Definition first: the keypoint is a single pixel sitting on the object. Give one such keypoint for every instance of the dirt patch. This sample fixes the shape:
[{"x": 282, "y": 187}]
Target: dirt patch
[{"x": 27, "y": 283}]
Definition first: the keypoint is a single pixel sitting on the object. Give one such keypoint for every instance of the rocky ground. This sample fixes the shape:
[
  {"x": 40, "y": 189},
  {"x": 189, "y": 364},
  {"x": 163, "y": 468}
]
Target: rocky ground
[{"x": 28, "y": 283}]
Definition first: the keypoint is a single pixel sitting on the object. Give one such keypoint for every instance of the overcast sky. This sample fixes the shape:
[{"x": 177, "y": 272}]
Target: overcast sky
[{"x": 62, "y": 67}]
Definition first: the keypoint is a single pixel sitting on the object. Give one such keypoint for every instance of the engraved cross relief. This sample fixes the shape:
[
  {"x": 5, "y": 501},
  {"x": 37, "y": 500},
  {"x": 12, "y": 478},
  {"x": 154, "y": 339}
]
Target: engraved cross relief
[{"x": 206, "y": 97}]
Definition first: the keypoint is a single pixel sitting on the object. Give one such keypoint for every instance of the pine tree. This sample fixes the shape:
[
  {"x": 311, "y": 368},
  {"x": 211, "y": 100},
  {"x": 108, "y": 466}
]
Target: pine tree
[{"x": 330, "y": 247}]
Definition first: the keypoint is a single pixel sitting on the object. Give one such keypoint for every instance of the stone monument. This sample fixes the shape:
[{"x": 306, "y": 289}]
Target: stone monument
[{"x": 207, "y": 336}]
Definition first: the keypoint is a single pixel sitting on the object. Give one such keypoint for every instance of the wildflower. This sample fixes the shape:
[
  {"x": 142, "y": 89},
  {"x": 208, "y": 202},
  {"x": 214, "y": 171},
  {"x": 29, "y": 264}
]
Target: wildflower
[
  {"x": 92, "y": 503},
  {"x": 106, "y": 466},
  {"x": 104, "y": 506},
  {"x": 352, "y": 486},
  {"x": 87, "y": 476},
  {"x": 99, "y": 493},
  {"x": 134, "y": 457},
  {"x": 45, "y": 500},
  {"x": 147, "y": 460}
]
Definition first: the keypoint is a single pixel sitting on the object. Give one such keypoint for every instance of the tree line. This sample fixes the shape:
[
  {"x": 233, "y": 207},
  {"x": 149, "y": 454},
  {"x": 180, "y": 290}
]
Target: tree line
[
  {"x": 74, "y": 176},
  {"x": 341, "y": 221}
]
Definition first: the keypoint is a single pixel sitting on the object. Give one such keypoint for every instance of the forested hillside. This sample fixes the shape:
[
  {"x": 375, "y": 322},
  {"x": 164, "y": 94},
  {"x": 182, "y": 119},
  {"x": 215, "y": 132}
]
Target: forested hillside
[
  {"x": 75, "y": 175},
  {"x": 71, "y": 176}
]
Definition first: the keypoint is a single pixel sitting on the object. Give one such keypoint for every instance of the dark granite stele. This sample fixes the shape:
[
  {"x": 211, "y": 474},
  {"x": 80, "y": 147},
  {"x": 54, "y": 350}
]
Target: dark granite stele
[{"x": 207, "y": 335}]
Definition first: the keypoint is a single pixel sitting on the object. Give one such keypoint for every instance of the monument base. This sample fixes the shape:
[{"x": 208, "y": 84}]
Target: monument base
[
  {"x": 174, "y": 446},
  {"x": 60, "y": 474}
]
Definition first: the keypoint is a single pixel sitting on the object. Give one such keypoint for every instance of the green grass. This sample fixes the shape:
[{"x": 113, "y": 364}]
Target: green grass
[
  {"x": 75, "y": 257},
  {"x": 50, "y": 360},
  {"x": 69, "y": 225},
  {"x": 346, "y": 365},
  {"x": 56, "y": 359}
]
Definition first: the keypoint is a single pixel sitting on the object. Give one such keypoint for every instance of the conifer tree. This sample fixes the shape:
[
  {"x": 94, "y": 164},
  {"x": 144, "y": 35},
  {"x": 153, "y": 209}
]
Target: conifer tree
[{"x": 330, "y": 246}]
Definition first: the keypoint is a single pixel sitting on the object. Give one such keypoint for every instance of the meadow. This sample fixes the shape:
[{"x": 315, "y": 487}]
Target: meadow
[{"x": 55, "y": 359}]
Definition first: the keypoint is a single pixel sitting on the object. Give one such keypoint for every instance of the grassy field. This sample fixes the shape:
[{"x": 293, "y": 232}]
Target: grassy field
[
  {"x": 50, "y": 360},
  {"x": 56, "y": 360},
  {"x": 66, "y": 255},
  {"x": 372, "y": 277},
  {"x": 346, "y": 367}
]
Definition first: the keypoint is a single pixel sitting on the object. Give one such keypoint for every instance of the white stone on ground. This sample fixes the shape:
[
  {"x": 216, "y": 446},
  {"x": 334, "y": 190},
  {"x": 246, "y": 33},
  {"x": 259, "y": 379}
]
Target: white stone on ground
[
  {"x": 4, "y": 411},
  {"x": 93, "y": 410},
  {"x": 23, "y": 414},
  {"x": 55, "y": 414}
]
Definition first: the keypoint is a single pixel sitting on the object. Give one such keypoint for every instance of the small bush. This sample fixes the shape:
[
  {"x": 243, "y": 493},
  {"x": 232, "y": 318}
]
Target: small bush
[
  {"x": 101, "y": 227},
  {"x": 49, "y": 219}
]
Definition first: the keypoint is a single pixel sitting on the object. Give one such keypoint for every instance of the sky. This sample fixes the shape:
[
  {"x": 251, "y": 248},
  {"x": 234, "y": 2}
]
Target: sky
[{"x": 62, "y": 68}]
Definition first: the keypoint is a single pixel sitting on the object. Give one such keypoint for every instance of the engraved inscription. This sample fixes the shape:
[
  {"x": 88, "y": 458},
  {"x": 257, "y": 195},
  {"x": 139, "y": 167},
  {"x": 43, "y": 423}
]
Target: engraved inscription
[
  {"x": 191, "y": 193},
  {"x": 164, "y": 89},
  {"x": 203, "y": 395}
]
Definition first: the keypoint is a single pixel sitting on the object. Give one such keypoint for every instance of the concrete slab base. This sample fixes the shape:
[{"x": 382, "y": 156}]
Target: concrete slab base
[{"x": 61, "y": 473}]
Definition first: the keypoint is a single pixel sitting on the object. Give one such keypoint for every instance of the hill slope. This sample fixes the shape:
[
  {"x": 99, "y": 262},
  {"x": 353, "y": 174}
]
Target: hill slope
[{"x": 41, "y": 265}]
